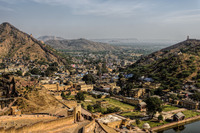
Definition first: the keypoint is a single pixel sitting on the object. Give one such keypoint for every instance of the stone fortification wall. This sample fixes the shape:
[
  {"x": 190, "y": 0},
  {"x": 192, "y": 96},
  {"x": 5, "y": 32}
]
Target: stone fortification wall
[
  {"x": 40, "y": 126},
  {"x": 89, "y": 128}
]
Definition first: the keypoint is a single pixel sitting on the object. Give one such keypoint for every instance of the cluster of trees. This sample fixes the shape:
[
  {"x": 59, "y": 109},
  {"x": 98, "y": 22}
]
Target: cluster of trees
[
  {"x": 80, "y": 96},
  {"x": 96, "y": 96},
  {"x": 65, "y": 96},
  {"x": 19, "y": 73},
  {"x": 89, "y": 79},
  {"x": 35, "y": 71},
  {"x": 197, "y": 78},
  {"x": 2, "y": 66},
  {"x": 101, "y": 70},
  {"x": 169, "y": 71},
  {"x": 196, "y": 96},
  {"x": 49, "y": 71},
  {"x": 98, "y": 108}
]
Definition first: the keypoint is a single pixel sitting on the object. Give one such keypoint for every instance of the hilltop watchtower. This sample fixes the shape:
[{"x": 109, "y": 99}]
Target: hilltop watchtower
[{"x": 188, "y": 37}]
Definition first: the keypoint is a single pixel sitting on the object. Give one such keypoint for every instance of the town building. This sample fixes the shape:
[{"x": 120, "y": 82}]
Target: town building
[{"x": 113, "y": 121}]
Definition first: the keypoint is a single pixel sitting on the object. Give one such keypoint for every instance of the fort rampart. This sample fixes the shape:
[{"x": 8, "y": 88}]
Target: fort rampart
[
  {"x": 40, "y": 126},
  {"x": 89, "y": 127}
]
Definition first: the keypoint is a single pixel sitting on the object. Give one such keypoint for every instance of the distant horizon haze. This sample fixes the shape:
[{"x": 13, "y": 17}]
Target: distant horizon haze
[{"x": 102, "y": 19}]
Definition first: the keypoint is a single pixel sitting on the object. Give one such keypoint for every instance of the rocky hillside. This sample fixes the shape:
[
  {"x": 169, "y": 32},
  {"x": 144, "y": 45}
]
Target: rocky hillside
[
  {"x": 15, "y": 44},
  {"x": 46, "y": 38},
  {"x": 80, "y": 44},
  {"x": 172, "y": 66},
  {"x": 38, "y": 101}
]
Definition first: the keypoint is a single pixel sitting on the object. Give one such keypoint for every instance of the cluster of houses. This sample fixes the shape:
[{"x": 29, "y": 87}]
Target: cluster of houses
[{"x": 106, "y": 84}]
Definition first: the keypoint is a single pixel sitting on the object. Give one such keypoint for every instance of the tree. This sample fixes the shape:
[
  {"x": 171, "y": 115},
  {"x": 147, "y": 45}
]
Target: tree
[
  {"x": 99, "y": 96},
  {"x": 89, "y": 79},
  {"x": 112, "y": 110},
  {"x": 35, "y": 71},
  {"x": 54, "y": 64},
  {"x": 97, "y": 108},
  {"x": 104, "y": 68},
  {"x": 69, "y": 93},
  {"x": 80, "y": 96},
  {"x": 177, "y": 87},
  {"x": 82, "y": 105},
  {"x": 128, "y": 87},
  {"x": 121, "y": 81},
  {"x": 27, "y": 74},
  {"x": 19, "y": 73},
  {"x": 196, "y": 96},
  {"x": 154, "y": 104},
  {"x": 2, "y": 66},
  {"x": 173, "y": 97},
  {"x": 160, "y": 118},
  {"x": 50, "y": 70},
  {"x": 89, "y": 107},
  {"x": 159, "y": 91},
  {"x": 62, "y": 94},
  {"x": 138, "y": 121}
]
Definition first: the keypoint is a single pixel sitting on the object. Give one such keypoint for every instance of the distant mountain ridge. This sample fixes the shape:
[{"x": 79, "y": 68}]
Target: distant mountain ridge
[
  {"x": 46, "y": 38},
  {"x": 80, "y": 45},
  {"x": 16, "y": 44}
]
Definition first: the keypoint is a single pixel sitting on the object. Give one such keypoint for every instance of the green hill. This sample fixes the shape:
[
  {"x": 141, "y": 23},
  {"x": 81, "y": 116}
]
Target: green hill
[{"x": 172, "y": 66}]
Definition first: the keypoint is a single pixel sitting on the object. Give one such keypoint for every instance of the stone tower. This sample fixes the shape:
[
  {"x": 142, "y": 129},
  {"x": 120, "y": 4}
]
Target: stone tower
[{"x": 188, "y": 38}]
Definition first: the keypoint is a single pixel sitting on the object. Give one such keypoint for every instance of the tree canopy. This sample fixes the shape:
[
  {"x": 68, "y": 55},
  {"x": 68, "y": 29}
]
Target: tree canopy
[
  {"x": 80, "y": 96},
  {"x": 89, "y": 79},
  {"x": 154, "y": 104}
]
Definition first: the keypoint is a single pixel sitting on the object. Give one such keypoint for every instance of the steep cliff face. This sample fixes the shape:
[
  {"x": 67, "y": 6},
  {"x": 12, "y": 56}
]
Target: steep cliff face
[{"x": 16, "y": 44}]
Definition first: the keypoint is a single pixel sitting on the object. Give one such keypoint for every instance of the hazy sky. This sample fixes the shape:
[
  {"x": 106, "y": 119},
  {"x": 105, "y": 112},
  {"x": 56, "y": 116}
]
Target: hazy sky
[{"x": 93, "y": 19}]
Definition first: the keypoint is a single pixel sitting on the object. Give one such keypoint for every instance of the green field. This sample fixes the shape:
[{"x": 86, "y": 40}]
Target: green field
[
  {"x": 167, "y": 108},
  {"x": 111, "y": 102},
  {"x": 190, "y": 113},
  {"x": 119, "y": 104}
]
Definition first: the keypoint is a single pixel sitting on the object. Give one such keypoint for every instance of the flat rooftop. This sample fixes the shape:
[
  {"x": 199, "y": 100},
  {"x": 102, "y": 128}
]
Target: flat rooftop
[{"x": 110, "y": 118}]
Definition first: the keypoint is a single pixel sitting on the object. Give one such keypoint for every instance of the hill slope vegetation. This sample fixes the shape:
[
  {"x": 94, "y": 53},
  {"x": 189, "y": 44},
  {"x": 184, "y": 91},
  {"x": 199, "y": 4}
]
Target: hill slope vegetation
[{"x": 172, "y": 66}]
